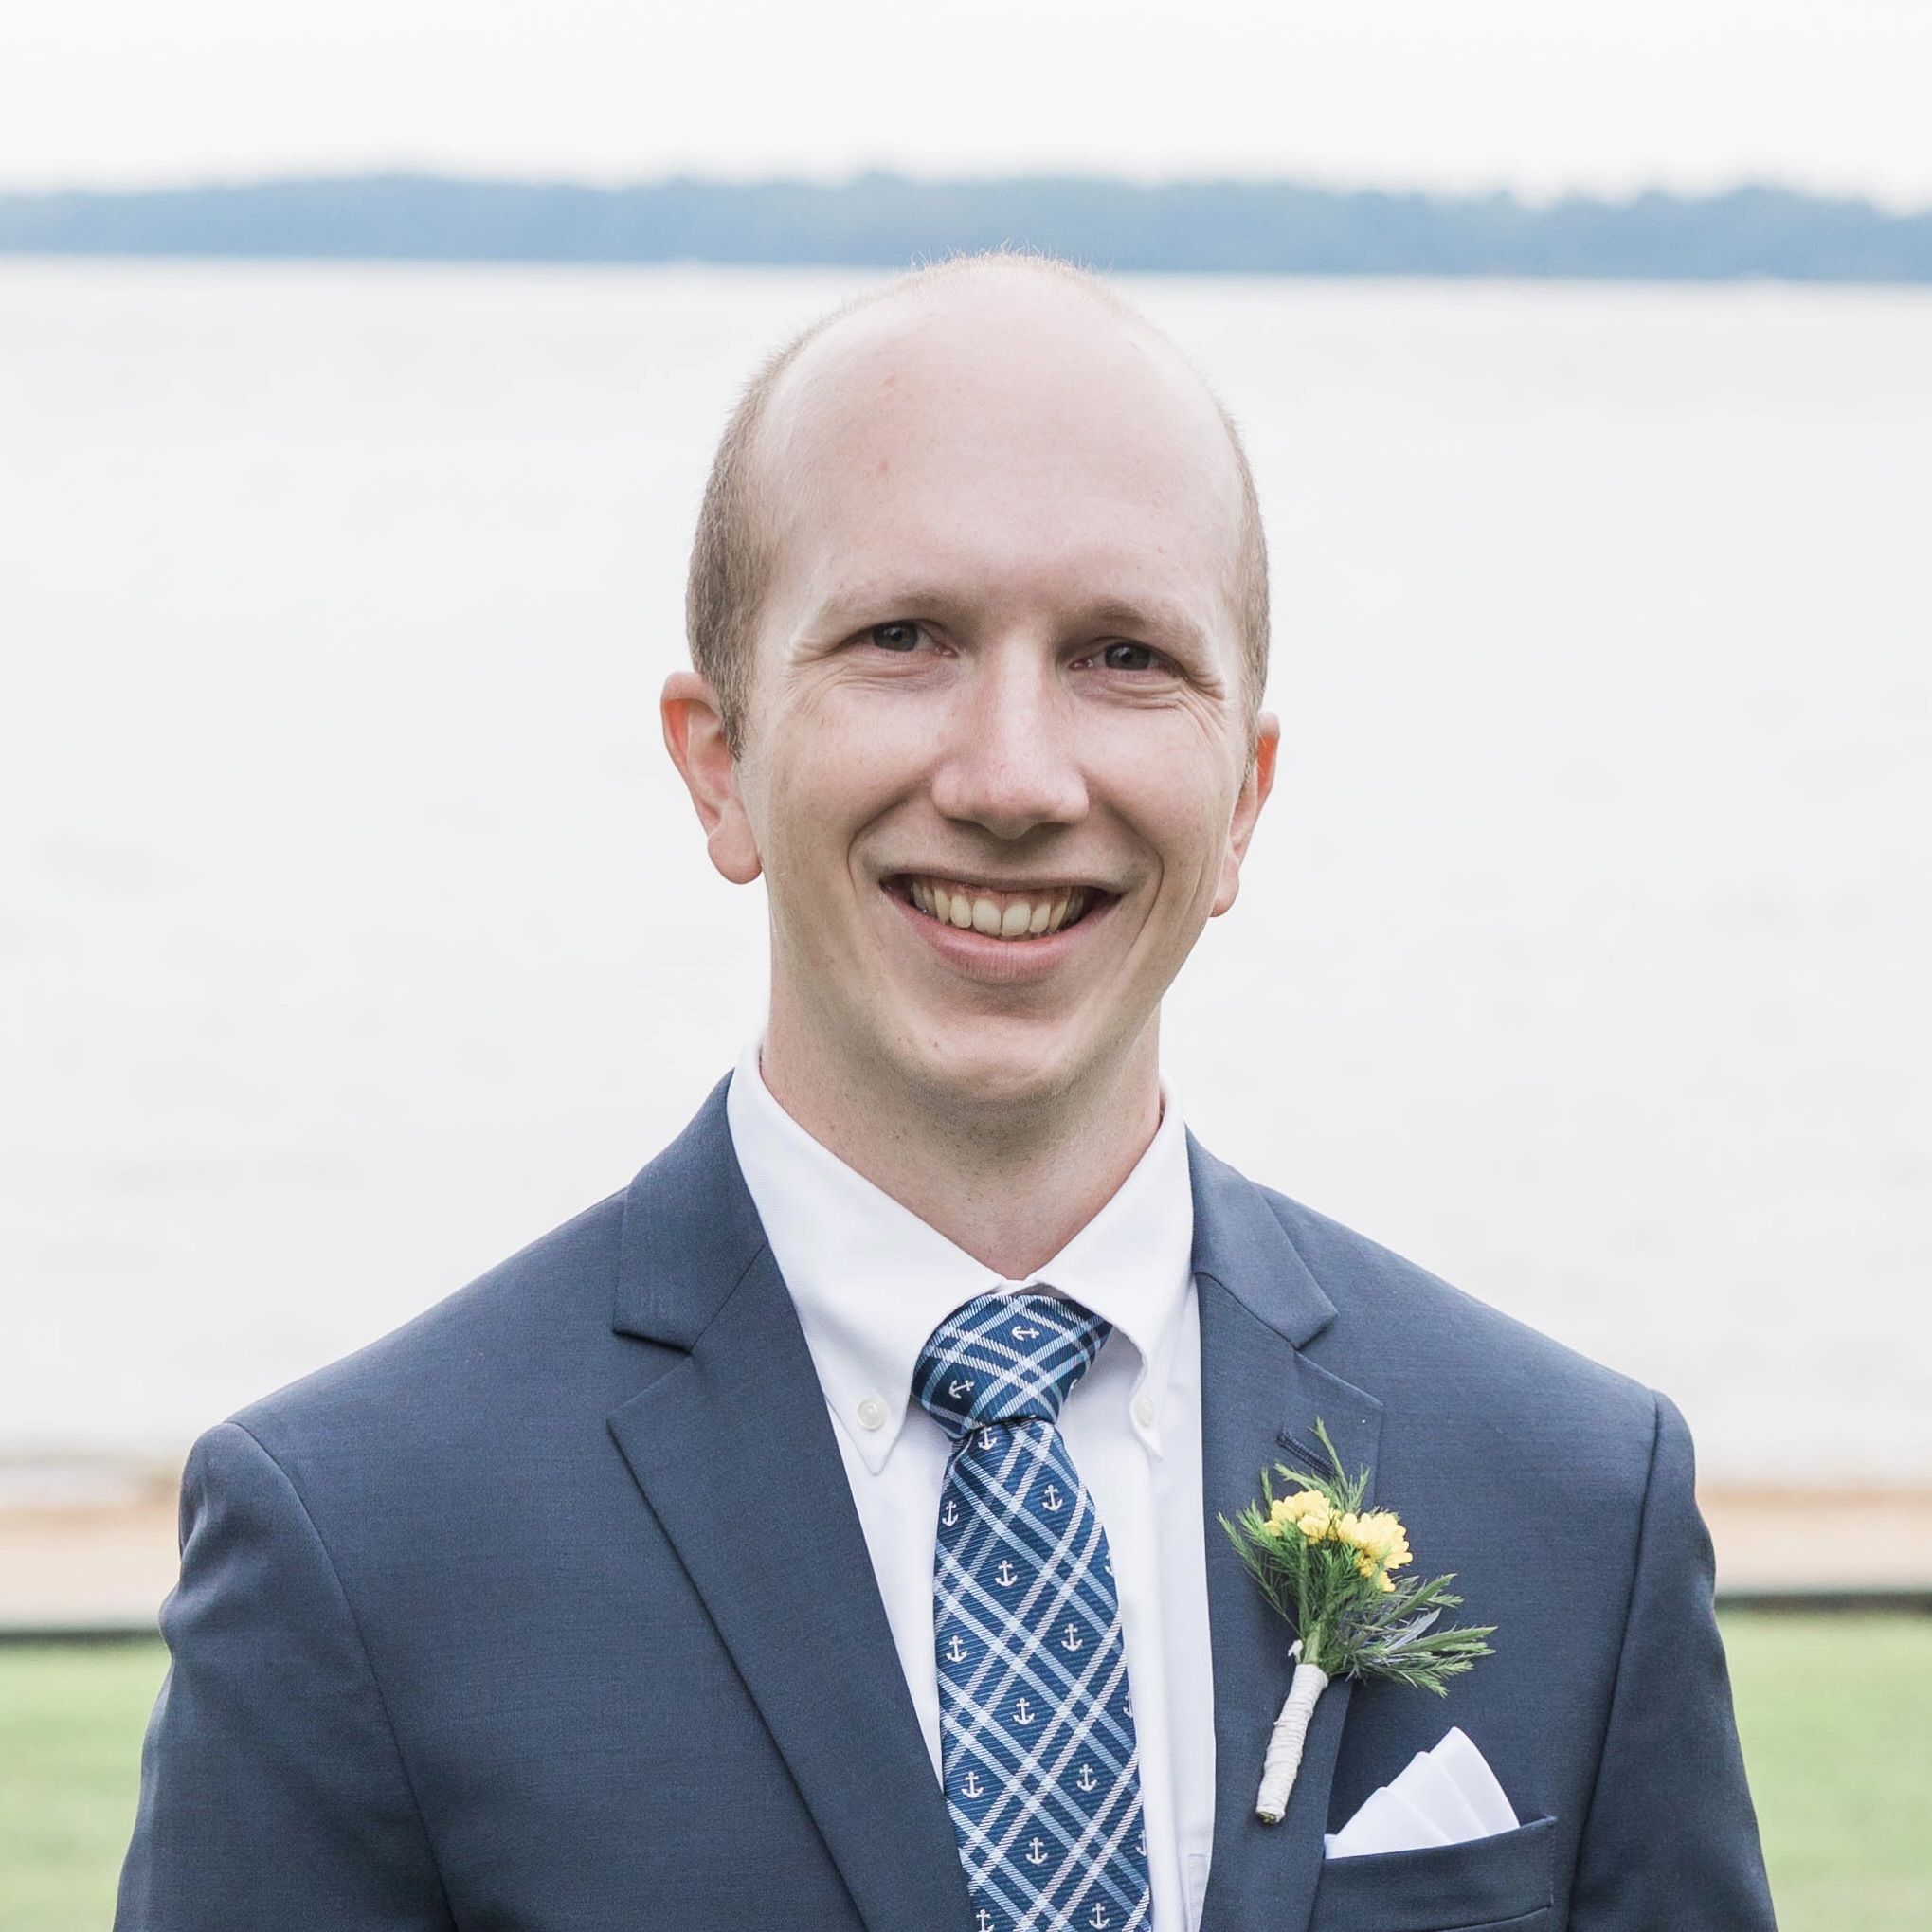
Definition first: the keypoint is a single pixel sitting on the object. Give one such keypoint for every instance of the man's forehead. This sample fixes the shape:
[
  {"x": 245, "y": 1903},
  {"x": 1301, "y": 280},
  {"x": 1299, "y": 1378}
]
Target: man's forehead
[{"x": 996, "y": 357}]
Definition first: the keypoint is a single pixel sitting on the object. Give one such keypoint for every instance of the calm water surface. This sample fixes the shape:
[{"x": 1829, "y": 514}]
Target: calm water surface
[{"x": 353, "y": 931}]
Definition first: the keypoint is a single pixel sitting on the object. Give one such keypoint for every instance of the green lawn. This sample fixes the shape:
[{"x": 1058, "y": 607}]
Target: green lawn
[
  {"x": 1837, "y": 1715},
  {"x": 71, "y": 1719},
  {"x": 1837, "y": 1718}
]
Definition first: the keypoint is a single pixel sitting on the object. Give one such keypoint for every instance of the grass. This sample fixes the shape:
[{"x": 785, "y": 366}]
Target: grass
[
  {"x": 71, "y": 1719},
  {"x": 1835, "y": 1714}
]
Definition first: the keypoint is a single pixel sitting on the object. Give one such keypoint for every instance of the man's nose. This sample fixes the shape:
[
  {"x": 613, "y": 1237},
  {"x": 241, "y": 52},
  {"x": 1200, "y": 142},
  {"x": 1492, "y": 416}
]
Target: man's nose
[{"x": 1010, "y": 759}]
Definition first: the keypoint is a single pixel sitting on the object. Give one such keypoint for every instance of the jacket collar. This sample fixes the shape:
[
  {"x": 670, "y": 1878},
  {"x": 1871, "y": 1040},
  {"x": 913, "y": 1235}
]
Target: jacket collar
[
  {"x": 1240, "y": 1243},
  {"x": 690, "y": 1232}
]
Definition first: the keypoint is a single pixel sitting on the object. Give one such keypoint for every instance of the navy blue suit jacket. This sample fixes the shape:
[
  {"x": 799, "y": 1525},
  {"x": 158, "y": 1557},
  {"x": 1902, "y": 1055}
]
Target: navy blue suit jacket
[{"x": 551, "y": 1611}]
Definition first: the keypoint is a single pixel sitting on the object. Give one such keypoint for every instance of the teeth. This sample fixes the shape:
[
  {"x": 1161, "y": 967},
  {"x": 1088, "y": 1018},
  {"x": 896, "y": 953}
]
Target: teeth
[{"x": 1018, "y": 918}]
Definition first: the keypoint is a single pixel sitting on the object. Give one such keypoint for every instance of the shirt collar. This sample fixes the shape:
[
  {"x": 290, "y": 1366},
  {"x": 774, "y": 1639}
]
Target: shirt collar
[{"x": 871, "y": 1280}]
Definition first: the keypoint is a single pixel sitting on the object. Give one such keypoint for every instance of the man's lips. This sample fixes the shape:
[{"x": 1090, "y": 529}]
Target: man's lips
[{"x": 1033, "y": 911}]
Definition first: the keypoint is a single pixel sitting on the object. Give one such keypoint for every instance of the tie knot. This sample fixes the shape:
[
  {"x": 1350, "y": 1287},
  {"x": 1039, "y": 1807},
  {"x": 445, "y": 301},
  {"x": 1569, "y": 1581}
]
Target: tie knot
[{"x": 1005, "y": 1358}]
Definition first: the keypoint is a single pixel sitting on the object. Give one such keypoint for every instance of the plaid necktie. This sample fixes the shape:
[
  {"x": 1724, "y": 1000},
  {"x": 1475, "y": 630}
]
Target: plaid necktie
[{"x": 1037, "y": 1734}]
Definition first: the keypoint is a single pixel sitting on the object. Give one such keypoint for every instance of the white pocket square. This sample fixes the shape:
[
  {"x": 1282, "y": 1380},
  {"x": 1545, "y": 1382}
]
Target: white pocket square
[{"x": 1445, "y": 1797}]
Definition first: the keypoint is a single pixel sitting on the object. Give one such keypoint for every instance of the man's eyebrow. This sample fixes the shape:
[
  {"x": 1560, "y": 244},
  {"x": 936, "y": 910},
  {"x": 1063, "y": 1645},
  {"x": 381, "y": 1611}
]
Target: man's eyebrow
[
  {"x": 853, "y": 606},
  {"x": 1152, "y": 615}
]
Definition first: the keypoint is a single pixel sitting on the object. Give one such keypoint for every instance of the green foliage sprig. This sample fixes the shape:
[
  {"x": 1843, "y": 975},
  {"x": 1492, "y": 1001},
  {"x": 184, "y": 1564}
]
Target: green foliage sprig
[{"x": 1325, "y": 1564}]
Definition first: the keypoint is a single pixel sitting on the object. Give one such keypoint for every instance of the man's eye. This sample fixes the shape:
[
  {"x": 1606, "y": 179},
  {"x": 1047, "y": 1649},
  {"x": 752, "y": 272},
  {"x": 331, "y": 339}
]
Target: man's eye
[
  {"x": 894, "y": 636},
  {"x": 1128, "y": 658}
]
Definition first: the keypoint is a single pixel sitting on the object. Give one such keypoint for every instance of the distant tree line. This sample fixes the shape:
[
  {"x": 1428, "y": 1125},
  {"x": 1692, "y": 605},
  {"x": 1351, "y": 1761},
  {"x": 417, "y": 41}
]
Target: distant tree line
[{"x": 883, "y": 220}]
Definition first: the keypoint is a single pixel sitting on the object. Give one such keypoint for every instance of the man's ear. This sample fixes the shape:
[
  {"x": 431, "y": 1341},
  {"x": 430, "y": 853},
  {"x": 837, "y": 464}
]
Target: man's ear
[
  {"x": 695, "y": 736},
  {"x": 1253, "y": 795}
]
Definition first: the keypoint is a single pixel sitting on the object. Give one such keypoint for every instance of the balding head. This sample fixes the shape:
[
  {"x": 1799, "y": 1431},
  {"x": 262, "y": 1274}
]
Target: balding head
[{"x": 1033, "y": 341}]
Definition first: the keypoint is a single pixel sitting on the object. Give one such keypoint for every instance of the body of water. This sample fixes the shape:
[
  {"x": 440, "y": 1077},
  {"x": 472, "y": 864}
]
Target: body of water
[{"x": 355, "y": 929}]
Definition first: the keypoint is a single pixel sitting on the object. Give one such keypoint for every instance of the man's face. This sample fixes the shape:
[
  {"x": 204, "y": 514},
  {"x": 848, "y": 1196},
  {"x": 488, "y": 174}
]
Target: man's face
[{"x": 996, "y": 763}]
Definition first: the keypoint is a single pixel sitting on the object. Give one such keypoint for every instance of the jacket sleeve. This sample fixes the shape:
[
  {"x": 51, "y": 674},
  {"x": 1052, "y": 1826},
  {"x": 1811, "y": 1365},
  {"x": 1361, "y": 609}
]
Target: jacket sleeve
[
  {"x": 273, "y": 1791},
  {"x": 1671, "y": 1840}
]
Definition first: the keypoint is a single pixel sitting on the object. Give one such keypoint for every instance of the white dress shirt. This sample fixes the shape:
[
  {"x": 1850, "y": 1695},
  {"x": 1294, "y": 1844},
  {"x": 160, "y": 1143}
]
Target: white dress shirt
[{"x": 871, "y": 1281}]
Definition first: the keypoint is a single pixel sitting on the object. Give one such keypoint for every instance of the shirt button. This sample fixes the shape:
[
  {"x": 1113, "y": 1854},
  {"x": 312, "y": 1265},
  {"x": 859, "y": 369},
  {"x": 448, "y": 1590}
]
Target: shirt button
[
  {"x": 872, "y": 1413},
  {"x": 1143, "y": 1409}
]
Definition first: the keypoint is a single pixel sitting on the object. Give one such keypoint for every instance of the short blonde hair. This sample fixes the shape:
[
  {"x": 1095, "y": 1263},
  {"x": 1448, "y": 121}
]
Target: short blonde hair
[{"x": 732, "y": 554}]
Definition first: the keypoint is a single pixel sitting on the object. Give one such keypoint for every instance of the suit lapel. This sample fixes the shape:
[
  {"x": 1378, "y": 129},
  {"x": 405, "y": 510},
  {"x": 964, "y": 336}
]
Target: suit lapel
[
  {"x": 1260, "y": 1399},
  {"x": 733, "y": 1450}
]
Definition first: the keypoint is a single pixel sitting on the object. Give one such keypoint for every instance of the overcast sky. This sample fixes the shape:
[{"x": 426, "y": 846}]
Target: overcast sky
[{"x": 1534, "y": 94}]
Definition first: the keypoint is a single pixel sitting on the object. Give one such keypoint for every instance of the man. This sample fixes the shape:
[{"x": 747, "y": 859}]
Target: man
[{"x": 822, "y": 1532}]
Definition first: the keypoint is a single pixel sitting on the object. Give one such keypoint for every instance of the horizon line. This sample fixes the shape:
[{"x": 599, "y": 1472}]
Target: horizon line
[{"x": 1532, "y": 201}]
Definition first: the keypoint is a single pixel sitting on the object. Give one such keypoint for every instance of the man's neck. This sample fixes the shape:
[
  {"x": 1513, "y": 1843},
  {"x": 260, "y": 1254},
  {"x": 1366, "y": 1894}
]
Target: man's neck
[{"x": 1011, "y": 1187}]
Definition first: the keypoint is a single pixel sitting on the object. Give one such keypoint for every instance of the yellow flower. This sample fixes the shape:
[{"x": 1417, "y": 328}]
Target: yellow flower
[
  {"x": 1306, "y": 1511},
  {"x": 1379, "y": 1535},
  {"x": 1392, "y": 1539}
]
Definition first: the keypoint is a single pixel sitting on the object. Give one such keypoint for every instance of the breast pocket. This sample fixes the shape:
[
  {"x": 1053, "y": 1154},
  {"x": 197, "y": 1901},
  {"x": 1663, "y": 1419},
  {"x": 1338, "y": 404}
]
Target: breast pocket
[{"x": 1481, "y": 1886}]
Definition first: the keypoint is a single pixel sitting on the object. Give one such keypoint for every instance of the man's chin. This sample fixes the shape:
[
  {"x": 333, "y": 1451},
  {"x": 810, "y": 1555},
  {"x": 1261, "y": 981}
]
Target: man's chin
[{"x": 983, "y": 1070}]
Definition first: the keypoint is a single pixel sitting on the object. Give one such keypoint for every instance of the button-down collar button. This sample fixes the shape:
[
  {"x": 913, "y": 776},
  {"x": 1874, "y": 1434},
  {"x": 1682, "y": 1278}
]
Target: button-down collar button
[
  {"x": 1143, "y": 1409},
  {"x": 872, "y": 1413}
]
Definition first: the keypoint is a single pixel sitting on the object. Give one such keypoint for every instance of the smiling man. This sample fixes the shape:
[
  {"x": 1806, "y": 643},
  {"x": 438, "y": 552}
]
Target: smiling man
[
  {"x": 822, "y": 1532},
  {"x": 985, "y": 715}
]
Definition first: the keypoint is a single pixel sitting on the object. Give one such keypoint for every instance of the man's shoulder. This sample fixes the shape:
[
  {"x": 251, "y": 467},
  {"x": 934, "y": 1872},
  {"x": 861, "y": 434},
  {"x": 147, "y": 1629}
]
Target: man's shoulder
[
  {"x": 1428, "y": 1348},
  {"x": 533, "y": 1326}
]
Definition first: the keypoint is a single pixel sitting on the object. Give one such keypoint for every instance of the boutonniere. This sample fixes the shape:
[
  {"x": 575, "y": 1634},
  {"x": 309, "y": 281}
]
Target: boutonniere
[{"x": 1326, "y": 1565}]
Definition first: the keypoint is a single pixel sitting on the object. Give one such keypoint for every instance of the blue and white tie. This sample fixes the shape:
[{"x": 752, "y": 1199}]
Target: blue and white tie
[{"x": 1037, "y": 1734}]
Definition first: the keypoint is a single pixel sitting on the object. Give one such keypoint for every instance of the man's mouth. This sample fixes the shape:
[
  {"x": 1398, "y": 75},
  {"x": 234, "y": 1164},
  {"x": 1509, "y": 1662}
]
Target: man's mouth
[{"x": 1035, "y": 914}]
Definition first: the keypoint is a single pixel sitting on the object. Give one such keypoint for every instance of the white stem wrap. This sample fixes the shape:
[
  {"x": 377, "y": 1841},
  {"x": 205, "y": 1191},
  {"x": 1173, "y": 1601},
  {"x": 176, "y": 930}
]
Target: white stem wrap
[{"x": 1285, "y": 1742}]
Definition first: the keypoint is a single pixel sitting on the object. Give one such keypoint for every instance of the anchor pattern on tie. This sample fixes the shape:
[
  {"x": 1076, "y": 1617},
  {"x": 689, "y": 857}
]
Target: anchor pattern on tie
[{"x": 1037, "y": 1736}]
